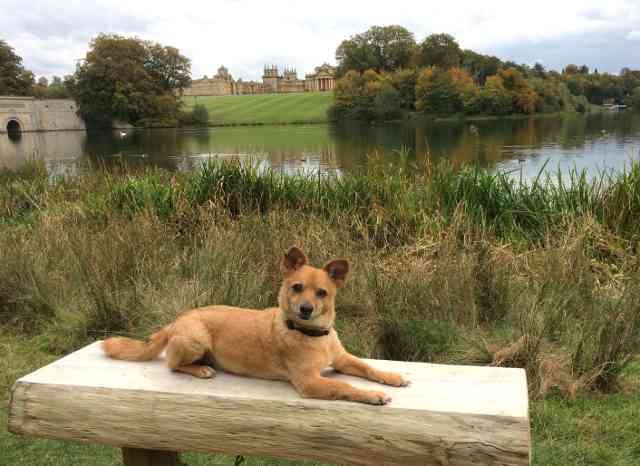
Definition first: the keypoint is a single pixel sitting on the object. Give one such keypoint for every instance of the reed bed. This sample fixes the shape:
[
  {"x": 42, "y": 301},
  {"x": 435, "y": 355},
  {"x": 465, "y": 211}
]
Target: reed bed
[{"x": 450, "y": 265}]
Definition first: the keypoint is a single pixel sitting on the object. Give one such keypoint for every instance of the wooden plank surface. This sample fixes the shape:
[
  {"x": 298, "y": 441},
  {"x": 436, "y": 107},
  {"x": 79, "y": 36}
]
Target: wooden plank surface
[{"x": 449, "y": 415}]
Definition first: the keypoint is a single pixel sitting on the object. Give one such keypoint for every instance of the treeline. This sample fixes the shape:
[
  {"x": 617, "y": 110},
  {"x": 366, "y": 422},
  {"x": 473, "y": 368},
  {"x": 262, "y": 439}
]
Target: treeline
[
  {"x": 16, "y": 80},
  {"x": 384, "y": 72},
  {"x": 122, "y": 79}
]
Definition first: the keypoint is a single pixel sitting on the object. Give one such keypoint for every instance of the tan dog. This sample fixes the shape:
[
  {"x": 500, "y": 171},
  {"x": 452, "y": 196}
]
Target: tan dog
[{"x": 293, "y": 342}]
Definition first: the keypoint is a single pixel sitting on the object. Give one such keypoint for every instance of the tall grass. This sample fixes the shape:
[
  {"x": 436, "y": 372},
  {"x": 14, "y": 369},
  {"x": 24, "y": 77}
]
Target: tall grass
[{"x": 448, "y": 266}]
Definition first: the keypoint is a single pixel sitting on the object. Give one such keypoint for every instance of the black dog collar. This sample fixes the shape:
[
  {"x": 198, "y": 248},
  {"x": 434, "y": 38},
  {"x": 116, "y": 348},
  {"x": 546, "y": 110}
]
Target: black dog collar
[{"x": 310, "y": 332}]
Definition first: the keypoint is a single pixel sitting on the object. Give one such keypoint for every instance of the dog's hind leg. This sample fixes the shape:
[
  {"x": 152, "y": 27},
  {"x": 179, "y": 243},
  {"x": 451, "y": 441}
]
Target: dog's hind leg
[{"x": 183, "y": 352}]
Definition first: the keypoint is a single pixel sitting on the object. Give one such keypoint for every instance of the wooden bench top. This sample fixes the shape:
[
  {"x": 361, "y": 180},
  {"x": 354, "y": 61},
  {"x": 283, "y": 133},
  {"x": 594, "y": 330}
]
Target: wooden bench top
[{"x": 449, "y": 415}]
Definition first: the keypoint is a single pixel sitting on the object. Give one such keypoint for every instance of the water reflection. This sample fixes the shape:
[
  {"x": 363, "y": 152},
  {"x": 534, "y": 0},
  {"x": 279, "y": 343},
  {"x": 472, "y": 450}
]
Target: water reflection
[
  {"x": 53, "y": 147},
  {"x": 595, "y": 142}
]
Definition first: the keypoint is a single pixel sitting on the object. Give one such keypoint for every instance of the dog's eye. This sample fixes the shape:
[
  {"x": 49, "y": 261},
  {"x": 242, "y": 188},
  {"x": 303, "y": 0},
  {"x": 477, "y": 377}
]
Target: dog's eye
[
  {"x": 298, "y": 287},
  {"x": 321, "y": 293}
]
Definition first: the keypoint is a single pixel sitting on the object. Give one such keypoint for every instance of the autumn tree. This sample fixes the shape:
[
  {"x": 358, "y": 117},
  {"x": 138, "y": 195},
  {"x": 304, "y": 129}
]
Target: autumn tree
[
  {"x": 571, "y": 69},
  {"x": 523, "y": 96},
  {"x": 436, "y": 92},
  {"x": 381, "y": 48},
  {"x": 466, "y": 89},
  {"x": 630, "y": 79},
  {"x": 14, "y": 78},
  {"x": 480, "y": 66},
  {"x": 442, "y": 78},
  {"x": 39, "y": 89},
  {"x": 125, "y": 78},
  {"x": 404, "y": 81},
  {"x": 493, "y": 98},
  {"x": 440, "y": 50},
  {"x": 367, "y": 96}
]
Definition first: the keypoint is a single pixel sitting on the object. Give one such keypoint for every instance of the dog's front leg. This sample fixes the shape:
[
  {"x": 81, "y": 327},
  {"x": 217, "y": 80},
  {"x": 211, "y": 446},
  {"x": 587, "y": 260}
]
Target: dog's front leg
[
  {"x": 349, "y": 364},
  {"x": 316, "y": 386}
]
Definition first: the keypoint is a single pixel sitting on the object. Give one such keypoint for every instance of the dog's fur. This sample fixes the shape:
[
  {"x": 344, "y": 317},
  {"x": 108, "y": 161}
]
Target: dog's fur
[{"x": 263, "y": 344}]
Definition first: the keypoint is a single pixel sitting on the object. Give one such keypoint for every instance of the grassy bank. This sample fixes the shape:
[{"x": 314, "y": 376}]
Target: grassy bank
[
  {"x": 265, "y": 109},
  {"x": 448, "y": 266}
]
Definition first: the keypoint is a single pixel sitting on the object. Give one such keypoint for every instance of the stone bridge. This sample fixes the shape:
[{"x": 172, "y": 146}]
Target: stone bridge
[{"x": 19, "y": 114}]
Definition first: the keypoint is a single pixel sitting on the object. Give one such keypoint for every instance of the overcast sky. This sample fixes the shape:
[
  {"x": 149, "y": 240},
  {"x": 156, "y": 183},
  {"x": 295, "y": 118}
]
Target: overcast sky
[{"x": 243, "y": 35}]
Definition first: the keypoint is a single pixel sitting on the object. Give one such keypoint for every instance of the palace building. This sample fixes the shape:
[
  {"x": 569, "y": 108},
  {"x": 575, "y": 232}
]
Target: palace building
[{"x": 222, "y": 83}]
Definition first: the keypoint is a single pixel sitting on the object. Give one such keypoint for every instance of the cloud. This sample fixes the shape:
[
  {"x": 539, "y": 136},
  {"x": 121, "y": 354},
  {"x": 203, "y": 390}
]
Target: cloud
[
  {"x": 243, "y": 34},
  {"x": 602, "y": 52},
  {"x": 633, "y": 35}
]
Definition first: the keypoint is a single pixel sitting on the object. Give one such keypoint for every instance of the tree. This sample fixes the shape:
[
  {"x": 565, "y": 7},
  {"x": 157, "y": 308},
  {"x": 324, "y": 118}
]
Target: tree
[
  {"x": 57, "y": 89},
  {"x": 404, "y": 81},
  {"x": 167, "y": 67},
  {"x": 39, "y": 90},
  {"x": 538, "y": 70},
  {"x": 14, "y": 79},
  {"x": 480, "y": 66},
  {"x": 436, "y": 92},
  {"x": 493, "y": 98},
  {"x": 630, "y": 79},
  {"x": 635, "y": 98},
  {"x": 381, "y": 48},
  {"x": 367, "y": 96},
  {"x": 439, "y": 50},
  {"x": 386, "y": 103},
  {"x": 466, "y": 88},
  {"x": 124, "y": 78},
  {"x": 523, "y": 96},
  {"x": 571, "y": 69}
]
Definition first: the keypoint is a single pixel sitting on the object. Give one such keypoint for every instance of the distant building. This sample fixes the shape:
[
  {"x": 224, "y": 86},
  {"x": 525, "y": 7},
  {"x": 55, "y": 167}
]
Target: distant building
[
  {"x": 222, "y": 83},
  {"x": 323, "y": 79}
]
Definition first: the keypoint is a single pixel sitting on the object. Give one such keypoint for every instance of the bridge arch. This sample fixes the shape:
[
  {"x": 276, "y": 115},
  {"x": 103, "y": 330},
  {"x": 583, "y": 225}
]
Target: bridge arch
[{"x": 13, "y": 126}]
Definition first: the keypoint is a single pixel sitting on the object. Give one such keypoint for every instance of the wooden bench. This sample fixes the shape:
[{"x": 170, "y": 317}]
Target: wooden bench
[{"x": 449, "y": 415}]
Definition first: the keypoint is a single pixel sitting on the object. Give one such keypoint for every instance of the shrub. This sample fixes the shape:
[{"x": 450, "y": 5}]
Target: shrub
[{"x": 200, "y": 115}]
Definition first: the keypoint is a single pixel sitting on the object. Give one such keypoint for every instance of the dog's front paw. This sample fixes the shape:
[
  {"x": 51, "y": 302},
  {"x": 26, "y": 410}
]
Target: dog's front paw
[
  {"x": 205, "y": 372},
  {"x": 377, "y": 398},
  {"x": 393, "y": 379}
]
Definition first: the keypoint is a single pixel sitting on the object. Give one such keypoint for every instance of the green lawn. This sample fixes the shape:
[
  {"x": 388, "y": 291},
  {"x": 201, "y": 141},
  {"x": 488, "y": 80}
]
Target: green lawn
[{"x": 308, "y": 107}]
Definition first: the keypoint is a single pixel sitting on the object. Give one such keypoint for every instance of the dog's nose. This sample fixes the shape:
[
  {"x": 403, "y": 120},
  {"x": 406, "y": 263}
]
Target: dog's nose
[{"x": 306, "y": 310}]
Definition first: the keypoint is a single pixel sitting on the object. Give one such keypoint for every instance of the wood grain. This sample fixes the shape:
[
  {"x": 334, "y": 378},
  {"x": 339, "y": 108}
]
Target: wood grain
[{"x": 450, "y": 415}]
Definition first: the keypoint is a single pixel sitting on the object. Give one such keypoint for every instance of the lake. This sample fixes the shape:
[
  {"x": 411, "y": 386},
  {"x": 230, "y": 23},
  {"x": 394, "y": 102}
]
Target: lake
[{"x": 596, "y": 142}]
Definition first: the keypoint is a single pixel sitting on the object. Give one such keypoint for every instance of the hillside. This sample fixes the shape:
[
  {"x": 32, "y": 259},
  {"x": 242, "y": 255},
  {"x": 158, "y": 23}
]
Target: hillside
[{"x": 308, "y": 107}]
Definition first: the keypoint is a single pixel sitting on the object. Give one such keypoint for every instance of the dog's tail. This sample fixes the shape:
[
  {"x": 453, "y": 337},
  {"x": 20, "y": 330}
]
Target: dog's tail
[{"x": 135, "y": 350}]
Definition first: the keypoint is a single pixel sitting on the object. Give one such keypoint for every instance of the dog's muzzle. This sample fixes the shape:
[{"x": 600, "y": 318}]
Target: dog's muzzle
[{"x": 305, "y": 310}]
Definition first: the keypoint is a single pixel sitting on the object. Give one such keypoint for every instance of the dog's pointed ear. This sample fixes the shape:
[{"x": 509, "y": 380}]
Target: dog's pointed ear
[
  {"x": 337, "y": 270},
  {"x": 293, "y": 259}
]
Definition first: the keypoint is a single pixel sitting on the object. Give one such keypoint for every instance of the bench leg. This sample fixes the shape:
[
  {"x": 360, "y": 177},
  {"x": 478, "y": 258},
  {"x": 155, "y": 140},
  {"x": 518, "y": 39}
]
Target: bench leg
[{"x": 140, "y": 457}]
